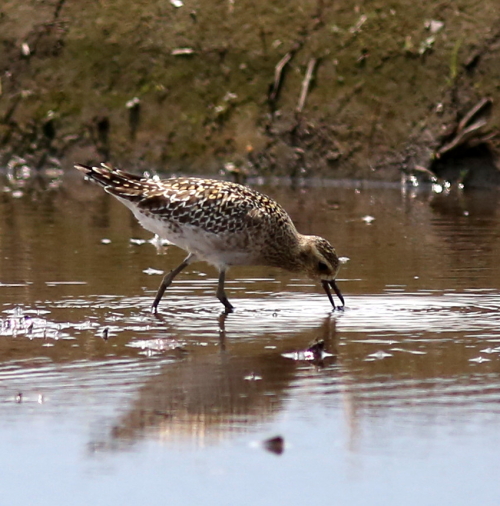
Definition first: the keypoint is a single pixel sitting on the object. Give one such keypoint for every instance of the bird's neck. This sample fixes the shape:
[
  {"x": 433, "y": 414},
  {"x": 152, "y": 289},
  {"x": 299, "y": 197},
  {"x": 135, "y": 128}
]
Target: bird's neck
[{"x": 289, "y": 252}]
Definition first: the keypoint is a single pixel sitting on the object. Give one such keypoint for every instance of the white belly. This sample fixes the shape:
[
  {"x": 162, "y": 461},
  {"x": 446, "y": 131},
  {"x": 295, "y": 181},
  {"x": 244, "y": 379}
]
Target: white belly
[{"x": 220, "y": 250}]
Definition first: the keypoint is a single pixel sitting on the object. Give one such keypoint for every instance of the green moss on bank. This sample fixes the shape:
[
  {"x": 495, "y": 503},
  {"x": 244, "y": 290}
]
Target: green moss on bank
[{"x": 387, "y": 74}]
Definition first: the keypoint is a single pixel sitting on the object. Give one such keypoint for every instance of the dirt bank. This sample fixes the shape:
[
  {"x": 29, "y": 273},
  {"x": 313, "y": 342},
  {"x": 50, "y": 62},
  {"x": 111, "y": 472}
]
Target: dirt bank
[{"x": 314, "y": 88}]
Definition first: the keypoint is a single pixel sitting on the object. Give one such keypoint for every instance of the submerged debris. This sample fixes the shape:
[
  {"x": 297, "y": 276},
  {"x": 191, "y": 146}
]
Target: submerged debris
[
  {"x": 274, "y": 445},
  {"x": 314, "y": 353}
]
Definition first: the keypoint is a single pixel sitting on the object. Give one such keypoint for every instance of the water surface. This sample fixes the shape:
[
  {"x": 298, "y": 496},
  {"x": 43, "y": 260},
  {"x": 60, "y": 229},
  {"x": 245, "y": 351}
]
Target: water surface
[{"x": 102, "y": 402}]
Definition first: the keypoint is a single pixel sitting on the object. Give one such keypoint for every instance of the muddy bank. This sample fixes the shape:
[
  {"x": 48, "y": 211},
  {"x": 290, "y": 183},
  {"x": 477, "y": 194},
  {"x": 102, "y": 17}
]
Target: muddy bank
[{"x": 313, "y": 88}]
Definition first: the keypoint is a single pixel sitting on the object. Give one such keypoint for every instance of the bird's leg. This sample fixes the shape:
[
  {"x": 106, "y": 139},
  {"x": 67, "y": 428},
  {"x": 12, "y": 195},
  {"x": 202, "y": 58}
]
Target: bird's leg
[
  {"x": 221, "y": 294},
  {"x": 167, "y": 280}
]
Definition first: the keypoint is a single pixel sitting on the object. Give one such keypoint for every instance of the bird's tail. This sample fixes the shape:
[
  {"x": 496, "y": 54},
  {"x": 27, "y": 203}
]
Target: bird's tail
[{"x": 117, "y": 182}]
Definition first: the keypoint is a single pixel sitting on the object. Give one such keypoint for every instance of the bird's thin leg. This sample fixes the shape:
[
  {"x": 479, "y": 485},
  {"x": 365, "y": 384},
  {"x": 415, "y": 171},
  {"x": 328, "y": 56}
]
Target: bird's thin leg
[
  {"x": 221, "y": 294},
  {"x": 167, "y": 280},
  {"x": 338, "y": 292}
]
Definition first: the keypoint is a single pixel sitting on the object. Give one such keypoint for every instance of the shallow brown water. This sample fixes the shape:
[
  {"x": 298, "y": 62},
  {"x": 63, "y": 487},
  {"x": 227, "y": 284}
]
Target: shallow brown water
[{"x": 101, "y": 402}]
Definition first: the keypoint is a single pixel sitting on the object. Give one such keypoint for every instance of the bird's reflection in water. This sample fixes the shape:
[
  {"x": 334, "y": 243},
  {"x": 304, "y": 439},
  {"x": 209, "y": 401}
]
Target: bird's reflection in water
[{"x": 207, "y": 397}]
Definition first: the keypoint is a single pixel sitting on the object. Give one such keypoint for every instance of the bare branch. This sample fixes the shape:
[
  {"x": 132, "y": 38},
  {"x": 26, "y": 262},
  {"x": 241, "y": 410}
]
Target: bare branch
[
  {"x": 306, "y": 83},
  {"x": 278, "y": 74}
]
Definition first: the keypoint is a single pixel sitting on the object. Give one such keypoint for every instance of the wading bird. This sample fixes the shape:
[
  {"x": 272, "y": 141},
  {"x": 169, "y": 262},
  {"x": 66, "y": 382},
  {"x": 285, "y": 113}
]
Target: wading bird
[{"x": 222, "y": 223}]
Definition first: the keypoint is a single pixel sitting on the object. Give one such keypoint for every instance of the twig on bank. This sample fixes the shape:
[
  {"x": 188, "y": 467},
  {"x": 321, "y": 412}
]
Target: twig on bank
[
  {"x": 306, "y": 83},
  {"x": 278, "y": 75},
  {"x": 469, "y": 127},
  {"x": 482, "y": 107}
]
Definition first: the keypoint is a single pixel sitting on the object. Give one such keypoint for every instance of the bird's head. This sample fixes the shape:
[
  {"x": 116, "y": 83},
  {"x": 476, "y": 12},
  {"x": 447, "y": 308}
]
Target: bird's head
[{"x": 321, "y": 263}]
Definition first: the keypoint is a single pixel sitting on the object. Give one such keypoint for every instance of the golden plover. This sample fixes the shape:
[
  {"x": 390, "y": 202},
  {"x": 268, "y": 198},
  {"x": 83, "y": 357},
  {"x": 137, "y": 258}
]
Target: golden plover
[{"x": 221, "y": 223}]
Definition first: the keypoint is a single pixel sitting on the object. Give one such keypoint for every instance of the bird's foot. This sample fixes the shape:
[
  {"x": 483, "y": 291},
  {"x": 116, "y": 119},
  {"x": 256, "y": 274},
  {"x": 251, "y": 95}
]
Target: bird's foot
[{"x": 228, "y": 309}]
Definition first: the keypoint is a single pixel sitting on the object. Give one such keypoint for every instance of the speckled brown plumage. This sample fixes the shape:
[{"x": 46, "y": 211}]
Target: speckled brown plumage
[{"x": 220, "y": 222}]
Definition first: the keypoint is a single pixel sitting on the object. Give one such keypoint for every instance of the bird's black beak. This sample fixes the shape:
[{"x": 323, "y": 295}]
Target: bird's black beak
[{"x": 326, "y": 287}]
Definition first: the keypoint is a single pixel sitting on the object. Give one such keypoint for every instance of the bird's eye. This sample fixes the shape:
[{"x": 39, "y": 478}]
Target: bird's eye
[{"x": 322, "y": 267}]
